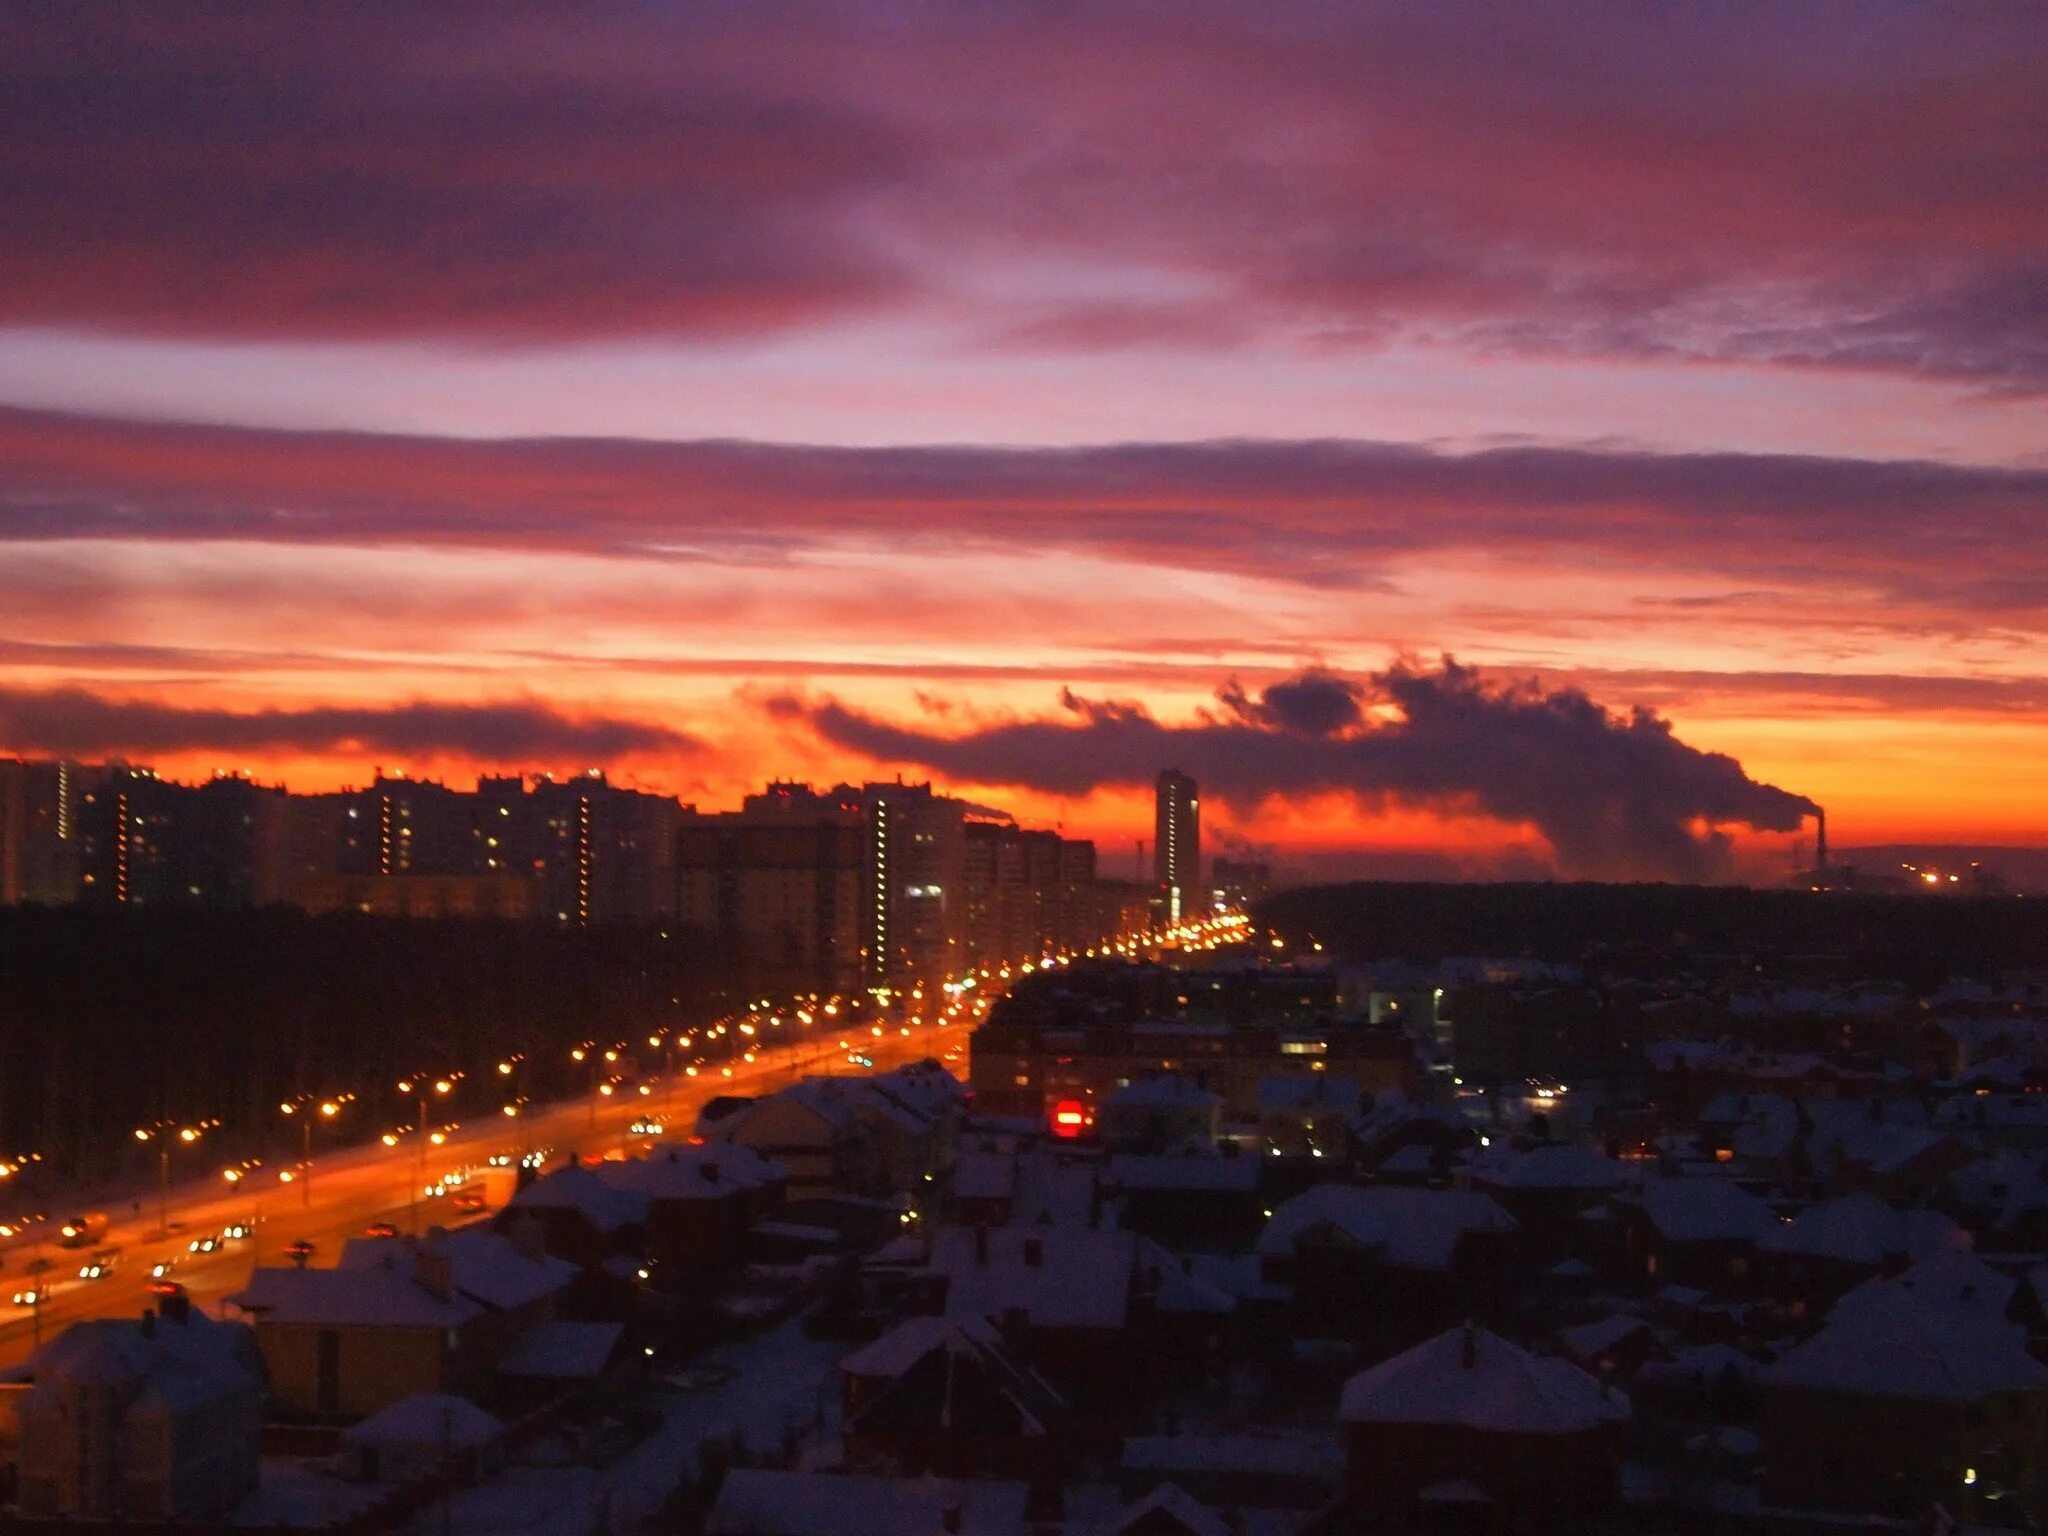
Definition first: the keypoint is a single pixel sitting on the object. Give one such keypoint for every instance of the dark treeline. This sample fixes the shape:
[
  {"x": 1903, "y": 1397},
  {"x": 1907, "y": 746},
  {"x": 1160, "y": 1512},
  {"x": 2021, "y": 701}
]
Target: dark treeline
[
  {"x": 113, "y": 1019},
  {"x": 1915, "y": 940}
]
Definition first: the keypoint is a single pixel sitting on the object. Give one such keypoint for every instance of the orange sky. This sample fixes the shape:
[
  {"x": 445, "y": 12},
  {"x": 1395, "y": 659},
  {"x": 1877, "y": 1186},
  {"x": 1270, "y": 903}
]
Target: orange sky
[{"x": 653, "y": 375}]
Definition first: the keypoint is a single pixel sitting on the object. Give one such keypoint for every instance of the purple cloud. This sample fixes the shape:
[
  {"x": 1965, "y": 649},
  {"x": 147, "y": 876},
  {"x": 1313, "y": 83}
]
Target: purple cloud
[{"x": 1615, "y": 795}]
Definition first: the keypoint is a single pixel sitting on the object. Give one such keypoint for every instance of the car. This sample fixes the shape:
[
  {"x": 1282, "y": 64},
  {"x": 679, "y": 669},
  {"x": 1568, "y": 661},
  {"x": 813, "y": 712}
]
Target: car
[
  {"x": 100, "y": 1264},
  {"x": 501, "y": 1160},
  {"x": 381, "y": 1229},
  {"x": 33, "y": 1297},
  {"x": 162, "y": 1268},
  {"x": 208, "y": 1244},
  {"x": 81, "y": 1231},
  {"x": 300, "y": 1251},
  {"x": 647, "y": 1128},
  {"x": 470, "y": 1200},
  {"x": 162, "y": 1287},
  {"x": 238, "y": 1232}
]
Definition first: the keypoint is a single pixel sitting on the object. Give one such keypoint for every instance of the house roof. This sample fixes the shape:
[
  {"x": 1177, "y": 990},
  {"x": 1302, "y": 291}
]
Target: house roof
[
  {"x": 753, "y": 1502},
  {"x": 427, "y": 1421},
  {"x": 1940, "y": 1282},
  {"x": 575, "y": 1187},
  {"x": 984, "y": 1175},
  {"x": 1410, "y": 1228},
  {"x": 1163, "y": 1091},
  {"x": 1083, "y": 1278},
  {"x": 1588, "y": 1341},
  {"x": 1474, "y": 1379},
  {"x": 559, "y": 1350},
  {"x": 1705, "y": 1210},
  {"x": 372, "y": 1297},
  {"x": 1204, "y": 1171},
  {"x": 1890, "y": 1345},
  {"x": 1862, "y": 1229},
  {"x": 1557, "y": 1167},
  {"x": 967, "y": 1383},
  {"x": 1185, "y": 1511},
  {"x": 484, "y": 1265},
  {"x": 909, "y": 1342}
]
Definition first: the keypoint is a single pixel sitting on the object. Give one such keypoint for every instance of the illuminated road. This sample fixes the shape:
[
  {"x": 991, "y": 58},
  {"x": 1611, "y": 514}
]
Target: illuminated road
[{"x": 351, "y": 1187}]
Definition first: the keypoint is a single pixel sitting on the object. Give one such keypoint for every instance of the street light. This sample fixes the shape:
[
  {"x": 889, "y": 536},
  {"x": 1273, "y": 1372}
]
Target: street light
[
  {"x": 418, "y": 1087},
  {"x": 307, "y": 1108},
  {"x": 165, "y": 1135}
]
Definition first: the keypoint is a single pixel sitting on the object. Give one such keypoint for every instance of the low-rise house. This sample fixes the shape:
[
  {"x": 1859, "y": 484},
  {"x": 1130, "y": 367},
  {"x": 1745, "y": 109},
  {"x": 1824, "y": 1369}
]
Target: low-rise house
[
  {"x": 1079, "y": 1300},
  {"x": 1201, "y": 1199},
  {"x": 1304, "y": 1113},
  {"x": 1699, "y": 1231},
  {"x": 697, "y": 1204},
  {"x": 1837, "y": 1244},
  {"x": 954, "y": 1401},
  {"x": 1158, "y": 1111},
  {"x": 765, "y": 1503},
  {"x": 1546, "y": 1189},
  {"x": 1386, "y": 1263},
  {"x": 582, "y": 1217},
  {"x": 1898, "y": 1405},
  {"x": 1470, "y": 1419},
  {"x": 417, "y": 1436},
  {"x": 156, "y": 1420},
  {"x": 347, "y": 1342}
]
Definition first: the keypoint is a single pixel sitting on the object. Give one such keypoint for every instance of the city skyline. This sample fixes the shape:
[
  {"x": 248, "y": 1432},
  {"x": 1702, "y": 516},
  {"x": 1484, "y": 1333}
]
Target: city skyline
[{"x": 722, "y": 404}]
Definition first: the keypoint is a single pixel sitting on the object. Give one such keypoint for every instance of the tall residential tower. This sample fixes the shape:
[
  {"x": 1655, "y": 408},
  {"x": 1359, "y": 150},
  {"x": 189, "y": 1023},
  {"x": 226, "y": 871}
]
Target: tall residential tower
[{"x": 1177, "y": 846}]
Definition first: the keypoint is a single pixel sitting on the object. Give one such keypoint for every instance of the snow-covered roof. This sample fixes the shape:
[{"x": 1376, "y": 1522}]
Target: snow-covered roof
[
  {"x": 1411, "y": 1228},
  {"x": 1308, "y": 1090},
  {"x": 559, "y": 1350},
  {"x": 173, "y": 1363},
  {"x": 1207, "y": 1171},
  {"x": 1892, "y": 1346},
  {"x": 1162, "y": 1091},
  {"x": 1588, "y": 1341},
  {"x": 374, "y": 1297},
  {"x": 484, "y": 1265},
  {"x": 1474, "y": 1379},
  {"x": 910, "y": 1341},
  {"x": 1862, "y": 1229},
  {"x": 754, "y": 1502},
  {"x": 1705, "y": 1210},
  {"x": 1557, "y": 1167},
  {"x": 1940, "y": 1282},
  {"x": 1187, "y": 1512},
  {"x": 984, "y": 1175},
  {"x": 576, "y": 1188},
  {"x": 1082, "y": 1277},
  {"x": 427, "y": 1420}
]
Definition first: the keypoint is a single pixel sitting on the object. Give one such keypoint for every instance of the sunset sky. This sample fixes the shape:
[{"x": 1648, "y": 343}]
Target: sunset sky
[{"x": 719, "y": 392}]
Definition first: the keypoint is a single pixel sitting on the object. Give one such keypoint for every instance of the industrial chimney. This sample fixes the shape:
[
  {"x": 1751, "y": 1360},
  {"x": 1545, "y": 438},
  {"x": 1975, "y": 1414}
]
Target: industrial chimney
[{"x": 1820, "y": 841}]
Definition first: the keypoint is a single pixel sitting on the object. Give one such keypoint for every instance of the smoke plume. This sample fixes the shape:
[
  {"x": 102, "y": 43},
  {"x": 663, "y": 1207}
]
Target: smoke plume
[{"x": 1616, "y": 794}]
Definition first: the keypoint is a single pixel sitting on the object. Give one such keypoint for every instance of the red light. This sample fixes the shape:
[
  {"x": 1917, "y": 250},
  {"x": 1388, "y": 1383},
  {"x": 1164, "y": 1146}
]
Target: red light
[{"x": 1068, "y": 1117}]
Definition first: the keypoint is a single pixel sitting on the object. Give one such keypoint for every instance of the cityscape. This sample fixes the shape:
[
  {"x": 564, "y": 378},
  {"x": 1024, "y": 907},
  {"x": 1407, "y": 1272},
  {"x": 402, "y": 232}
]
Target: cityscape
[{"x": 1024, "y": 770}]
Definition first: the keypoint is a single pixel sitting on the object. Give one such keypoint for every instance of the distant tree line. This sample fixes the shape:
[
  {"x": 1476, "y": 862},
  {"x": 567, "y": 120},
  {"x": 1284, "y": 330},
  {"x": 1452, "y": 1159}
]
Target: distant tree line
[
  {"x": 114, "y": 1019},
  {"x": 1914, "y": 940}
]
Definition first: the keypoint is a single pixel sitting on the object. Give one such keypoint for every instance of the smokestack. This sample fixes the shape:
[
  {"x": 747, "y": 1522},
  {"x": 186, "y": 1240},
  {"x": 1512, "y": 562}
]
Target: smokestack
[{"x": 1820, "y": 842}]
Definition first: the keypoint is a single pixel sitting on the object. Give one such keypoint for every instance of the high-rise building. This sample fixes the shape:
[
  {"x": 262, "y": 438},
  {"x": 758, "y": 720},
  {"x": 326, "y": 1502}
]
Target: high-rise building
[
  {"x": 39, "y": 833},
  {"x": 778, "y": 884},
  {"x": 145, "y": 841},
  {"x": 914, "y": 907},
  {"x": 1177, "y": 849}
]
